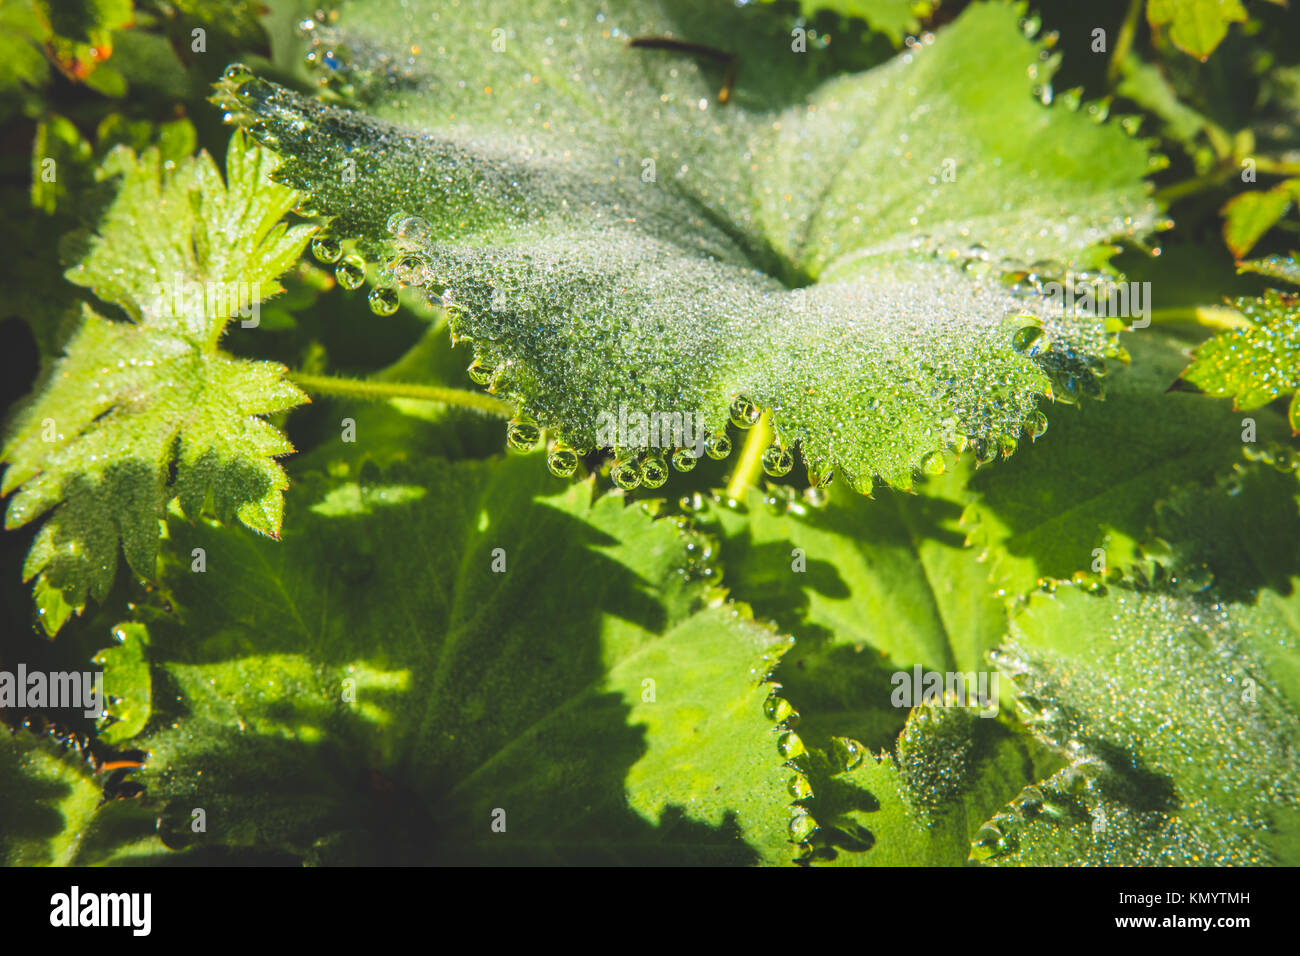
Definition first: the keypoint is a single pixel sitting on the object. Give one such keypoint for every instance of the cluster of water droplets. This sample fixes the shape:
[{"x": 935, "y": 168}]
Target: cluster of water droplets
[
  {"x": 1179, "y": 685},
  {"x": 845, "y": 389}
]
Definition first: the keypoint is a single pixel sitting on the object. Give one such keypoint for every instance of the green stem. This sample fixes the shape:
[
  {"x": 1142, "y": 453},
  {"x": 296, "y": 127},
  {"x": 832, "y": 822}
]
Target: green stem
[
  {"x": 1263, "y": 164},
  {"x": 1196, "y": 184},
  {"x": 751, "y": 458},
  {"x": 1124, "y": 42},
  {"x": 1210, "y": 316},
  {"x": 374, "y": 391}
]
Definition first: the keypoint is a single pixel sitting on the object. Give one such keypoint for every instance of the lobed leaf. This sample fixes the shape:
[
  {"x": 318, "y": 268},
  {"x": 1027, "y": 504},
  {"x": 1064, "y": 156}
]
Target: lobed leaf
[
  {"x": 138, "y": 412},
  {"x": 430, "y": 644},
  {"x": 611, "y": 235}
]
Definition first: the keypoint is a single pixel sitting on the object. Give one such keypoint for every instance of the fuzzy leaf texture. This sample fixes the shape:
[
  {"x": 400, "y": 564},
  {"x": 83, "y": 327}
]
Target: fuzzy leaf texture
[
  {"x": 611, "y": 233},
  {"x": 1260, "y": 362},
  {"x": 181, "y": 253}
]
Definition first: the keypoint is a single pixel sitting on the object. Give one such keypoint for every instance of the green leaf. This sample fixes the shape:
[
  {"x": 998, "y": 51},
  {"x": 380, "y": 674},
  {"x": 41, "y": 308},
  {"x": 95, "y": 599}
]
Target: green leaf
[
  {"x": 182, "y": 253},
  {"x": 875, "y": 589},
  {"x": 894, "y": 18},
  {"x": 132, "y": 690},
  {"x": 923, "y": 806},
  {"x": 1179, "y": 739},
  {"x": 1286, "y": 268},
  {"x": 869, "y": 587},
  {"x": 611, "y": 234},
  {"x": 1080, "y": 501},
  {"x": 1258, "y": 363},
  {"x": 1248, "y": 216},
  {"x": 46, "y": 800},
  {"x": 1195, "y": 26},
  {"x": 371, "y": 688}
]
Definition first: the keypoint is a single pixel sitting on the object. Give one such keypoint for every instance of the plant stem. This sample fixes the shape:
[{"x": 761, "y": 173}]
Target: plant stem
[
  {"x": 1124, "y": 42},
  {"x": 371, "y": 390},
  {"x": 1210, "y": 316},
  {"x": 751, "y": 457}
]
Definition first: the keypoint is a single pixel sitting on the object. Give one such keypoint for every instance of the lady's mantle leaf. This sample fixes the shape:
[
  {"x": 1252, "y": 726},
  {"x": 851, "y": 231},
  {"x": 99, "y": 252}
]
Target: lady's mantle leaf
[
  {"x": 404, "y": 664},
  {"x": 611, "y": 234},
  {"x": 183, "y": 254},
  {"x": 1178, "y": 716}
]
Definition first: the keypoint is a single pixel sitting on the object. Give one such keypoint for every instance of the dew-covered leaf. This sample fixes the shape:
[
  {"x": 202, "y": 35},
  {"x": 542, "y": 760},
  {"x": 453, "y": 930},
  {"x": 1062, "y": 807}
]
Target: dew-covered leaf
[
  {"x": 1177, "y": 715},
  {"x": 1257, "y": 363},
  {"x": 1081, "y": 500},
  {"x": 1286, "y": 268},
  {"x": 922, "y": 803},
  {"x": 137, "y": 412},
  {"x": 431, "y": 644},
  {"x": 869, "y": 587},
  {"x": 612, "y": 234}
]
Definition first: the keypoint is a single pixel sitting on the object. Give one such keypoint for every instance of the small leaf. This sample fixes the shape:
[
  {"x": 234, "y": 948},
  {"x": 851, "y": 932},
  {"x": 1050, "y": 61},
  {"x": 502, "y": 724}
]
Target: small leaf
[
  {"x": 1248, "y": 216},
  {"x": 1196, "y": 26},
  {"x": 182, "y": 253},
  {"x": 1255, "y": 364}
]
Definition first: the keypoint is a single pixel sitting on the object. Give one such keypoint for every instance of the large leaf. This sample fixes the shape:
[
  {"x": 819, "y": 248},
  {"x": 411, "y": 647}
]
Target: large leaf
[
  {"x": 182, "y": 253},
  {"x": 370, "y": 688},
  {"x": 874, "y": 589},
  {"x": 612, "y": 234}
]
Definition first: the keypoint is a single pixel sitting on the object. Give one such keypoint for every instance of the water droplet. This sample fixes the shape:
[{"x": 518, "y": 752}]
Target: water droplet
[
  {"x": 777, "y": 461},
  {"x": 684, "y": 459},
  {"x": 802, "y": 826},
  {"x": 790, "y": 745},
  {"x": 819, "y": 478},
  {"x": 562, "y": 461},
  {"x": 1036, "y": 425},
  {"x": 933, "y": 463},
  {"x": 237, "y": 71},
  {"x": 654, "y": 471},
  {"x": 383, "y": 300},
  {"x": 409, "y": 230},
  {"x": 744, "y": 413},
  {"x": 718, "y": 446},
  {"x": 1030, "y": 801},
  {"x": 625, "y": 474},
  {"x": 480, "y": 372},
  {"x": 351, "y": 272},
  {"x": 411, "y": 269},
  {"x": 522, "y": 433},
  {"x": 326, "y": 249},
  {"x": 988, "y": 843},
  {"x": 1026, "y": 337},
  {"x": 799, "y": 787},
  {"x": 847, "y": 752},
  {"x": 777, "y": 708}
]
